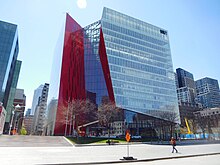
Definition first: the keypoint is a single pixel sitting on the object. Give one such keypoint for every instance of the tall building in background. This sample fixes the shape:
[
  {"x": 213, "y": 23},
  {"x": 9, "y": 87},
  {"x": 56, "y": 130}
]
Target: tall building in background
[
  {"x": 51, "y": 116},
  {"x": 176, "y": 80},
  {"x": 186, "y": 90},
  {"x": 19, "y": 99},
  {"x": 28, "y": 121},
  {"x": 185, "y": 78},
  {"x": 118, "y": 58},
  {"x": 28, "y": 112},
  {"x": 208, "y": 93},
  {"x": 40, "y": 112},
  {"x": 10, "y": 67},
  {"x": 186, "y": 93},
  {"x": 12, "y": 93},
  {"x": 37, "y": 94}
]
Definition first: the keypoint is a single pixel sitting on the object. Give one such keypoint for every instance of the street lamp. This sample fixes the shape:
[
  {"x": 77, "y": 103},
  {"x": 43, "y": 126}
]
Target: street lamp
[{"x": 13, "y": 113}]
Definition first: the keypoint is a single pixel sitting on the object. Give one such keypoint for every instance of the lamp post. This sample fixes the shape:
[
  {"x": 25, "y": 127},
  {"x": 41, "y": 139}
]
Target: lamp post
[
  {"x": 13, "y": 113},
  {"x": 12, "y": 118}
]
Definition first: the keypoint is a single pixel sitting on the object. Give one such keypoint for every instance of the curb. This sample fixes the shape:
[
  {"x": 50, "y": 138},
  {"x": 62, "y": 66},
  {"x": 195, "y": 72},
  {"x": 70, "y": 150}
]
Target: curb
[
  {"x": 68, "y": 141},
  {"x": 149, "y": 143},
  {"x": 141, "y": 160},
  {"x": 105, "y": 144}
]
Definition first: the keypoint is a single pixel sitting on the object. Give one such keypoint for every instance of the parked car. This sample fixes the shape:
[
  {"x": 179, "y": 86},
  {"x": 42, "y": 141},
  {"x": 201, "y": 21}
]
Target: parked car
[{"x": 136, "y": 137}]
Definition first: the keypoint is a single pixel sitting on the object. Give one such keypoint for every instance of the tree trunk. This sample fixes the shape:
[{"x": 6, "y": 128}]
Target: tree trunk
[
  {"x": 203, "y": 131},
  {"x": 109, "y": 135}
]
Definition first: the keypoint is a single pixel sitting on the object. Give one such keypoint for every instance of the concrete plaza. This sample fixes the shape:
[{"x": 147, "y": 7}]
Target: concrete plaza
[{"x": 102, "y": 154}]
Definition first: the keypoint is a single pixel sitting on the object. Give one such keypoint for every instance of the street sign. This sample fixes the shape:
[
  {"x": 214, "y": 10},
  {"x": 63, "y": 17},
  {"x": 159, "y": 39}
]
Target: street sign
[{"x": 128, "y": 137}]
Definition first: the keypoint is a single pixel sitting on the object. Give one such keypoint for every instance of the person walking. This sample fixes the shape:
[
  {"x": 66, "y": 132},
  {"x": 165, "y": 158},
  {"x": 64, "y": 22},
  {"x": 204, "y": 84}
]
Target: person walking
[{"x": 173, "y": 143}]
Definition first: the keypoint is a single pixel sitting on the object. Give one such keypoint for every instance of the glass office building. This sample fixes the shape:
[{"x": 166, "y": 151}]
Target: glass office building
[
  {"x": 186, "y": 88},
  {"x": 208, "y": 93},
  {"x": 10, "y": 99},
  {"x": 118, "y": 58},
  {"x": 140, "y": 64},
  {"x": 9, "y": 65}
]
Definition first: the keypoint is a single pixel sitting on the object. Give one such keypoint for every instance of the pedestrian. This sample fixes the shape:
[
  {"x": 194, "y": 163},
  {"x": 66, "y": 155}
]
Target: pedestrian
[{"x": 173, "y": 143}]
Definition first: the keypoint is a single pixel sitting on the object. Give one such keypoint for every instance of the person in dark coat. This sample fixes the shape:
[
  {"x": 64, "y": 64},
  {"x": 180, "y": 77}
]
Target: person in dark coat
[{"x": 173, "y": 143}]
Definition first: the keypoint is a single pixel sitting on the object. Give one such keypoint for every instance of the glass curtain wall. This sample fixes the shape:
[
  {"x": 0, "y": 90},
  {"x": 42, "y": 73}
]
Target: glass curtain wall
[
  {"x": 95, "y": 83},
  {"x": 140, "y": 64}
]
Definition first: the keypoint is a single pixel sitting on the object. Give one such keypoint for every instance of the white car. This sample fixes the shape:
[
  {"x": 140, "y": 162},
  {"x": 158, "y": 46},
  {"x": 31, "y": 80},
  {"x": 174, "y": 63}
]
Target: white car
[{"x": 136, "y": 137}]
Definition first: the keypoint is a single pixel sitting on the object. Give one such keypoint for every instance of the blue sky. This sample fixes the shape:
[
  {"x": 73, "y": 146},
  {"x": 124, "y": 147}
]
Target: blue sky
[{"x": 193, "y": 27}]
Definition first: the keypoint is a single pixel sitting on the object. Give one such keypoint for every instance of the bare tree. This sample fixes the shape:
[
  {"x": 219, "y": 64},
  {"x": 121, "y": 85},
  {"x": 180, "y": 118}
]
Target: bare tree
[
  {"x": 188, "y": 127},
  {"x": 171, "y": 119},
  {"x": 193, "y": 126},
  {"x": 216, "y": 124},
  {"x": 107, "y": 113},
  {"x": 202, "y": 122},
  {"x": 183, "y": 130},
  {"x": 77, "y": 112}
]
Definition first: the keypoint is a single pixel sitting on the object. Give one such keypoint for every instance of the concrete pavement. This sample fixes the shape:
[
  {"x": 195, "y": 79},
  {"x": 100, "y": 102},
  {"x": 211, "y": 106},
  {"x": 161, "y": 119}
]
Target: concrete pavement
[
  {"x": 200, "y": 160},
  {"x": 33, "y": 141},
  {"x": 51, "y": 152},
  {"x": 102, "y": 154}
]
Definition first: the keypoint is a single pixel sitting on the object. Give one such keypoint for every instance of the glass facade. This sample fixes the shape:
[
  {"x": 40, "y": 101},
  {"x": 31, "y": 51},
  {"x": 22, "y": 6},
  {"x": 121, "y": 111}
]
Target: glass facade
[
  {"x": 208, "y": 93},
  {"x": 9, "y": 65},
  {"x": 67, "y": 77},
  {"x": 186, "y": 88},
  {"x": 96, "y": 89},
  {"x": 140, "y": 64},
  {"x": 185, "y": 78},
  {"x": 8, "y": 52},
  {"x": 11, "y": 97},
  {"x": 118, "y": 59}
]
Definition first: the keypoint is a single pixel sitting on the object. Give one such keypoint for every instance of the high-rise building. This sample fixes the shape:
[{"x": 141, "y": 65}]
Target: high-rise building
[
  {"x": 186, "y": 93},
  {"x": 10, "y": 67},
  {"x": 40, "y": 112},
  {"x": 176, "y": 80},
  {"x": 208, "y": 93},
  {"x": 186, "y": 90},
  {"x": 37, "y": 94},
  {"x": 51, "y": 116},
  {"x": 28, "y": 121},
  {"x": 118, "y": 58},
  {"x": 28, "y": 112},
  {"x": 185, "y": 78}
]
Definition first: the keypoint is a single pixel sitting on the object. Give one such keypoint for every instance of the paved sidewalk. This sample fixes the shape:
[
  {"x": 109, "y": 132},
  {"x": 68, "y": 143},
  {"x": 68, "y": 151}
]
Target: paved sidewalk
[
  {"x": 33, "y": 141},
  {"x": 99, "y": 154}
]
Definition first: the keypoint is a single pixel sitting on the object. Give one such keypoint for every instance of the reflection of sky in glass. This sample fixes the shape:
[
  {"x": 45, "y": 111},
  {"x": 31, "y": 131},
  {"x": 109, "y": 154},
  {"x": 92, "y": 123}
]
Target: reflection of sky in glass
[
  {"x": 8, "y": 48},
  {"x": 140, "y": 64},
  {"x": 95, "y": 82}
]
